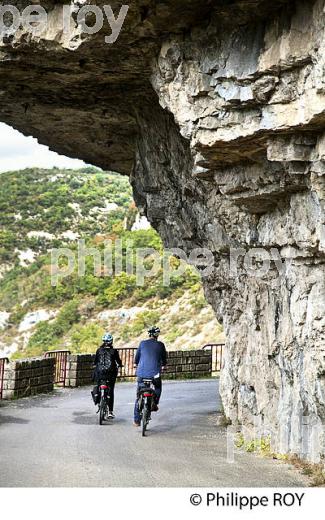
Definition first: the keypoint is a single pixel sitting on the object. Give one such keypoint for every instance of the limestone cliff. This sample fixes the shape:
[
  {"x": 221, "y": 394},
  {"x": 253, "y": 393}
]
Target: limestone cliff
[{"x": 216, "y": 109}]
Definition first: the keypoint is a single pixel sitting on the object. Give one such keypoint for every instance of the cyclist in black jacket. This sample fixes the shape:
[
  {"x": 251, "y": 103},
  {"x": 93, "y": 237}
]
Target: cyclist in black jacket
[{"x": 107, "y": 363}]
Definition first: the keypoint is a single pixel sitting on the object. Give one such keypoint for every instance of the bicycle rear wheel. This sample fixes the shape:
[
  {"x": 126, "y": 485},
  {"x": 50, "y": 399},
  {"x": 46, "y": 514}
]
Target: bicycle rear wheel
[
  {"x": 144, "y": 419},
  {"x": 102, "y": 410}
]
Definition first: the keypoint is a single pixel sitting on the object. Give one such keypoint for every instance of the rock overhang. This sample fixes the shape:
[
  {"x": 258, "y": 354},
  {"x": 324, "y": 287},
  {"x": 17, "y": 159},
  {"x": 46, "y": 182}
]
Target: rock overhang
[{"x": 81, "y": 96}]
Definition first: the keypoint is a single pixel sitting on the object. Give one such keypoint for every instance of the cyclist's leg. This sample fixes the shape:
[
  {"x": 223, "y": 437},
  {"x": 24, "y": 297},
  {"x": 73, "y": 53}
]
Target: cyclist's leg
[
  {"x": 137, "y": 417},
  {"x": 111, "y": 383},
  {"x": 158, "y": 388},
  {"x": 95, "y": 394}
]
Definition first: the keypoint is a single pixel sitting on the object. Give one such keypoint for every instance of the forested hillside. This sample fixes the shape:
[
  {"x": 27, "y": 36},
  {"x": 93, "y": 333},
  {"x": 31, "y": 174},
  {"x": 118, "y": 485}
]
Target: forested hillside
[{"x": 45, "y": 209}]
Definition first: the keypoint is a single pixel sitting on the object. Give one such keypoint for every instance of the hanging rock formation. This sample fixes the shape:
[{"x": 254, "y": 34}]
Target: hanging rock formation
[{"x": 216, "y": 110}]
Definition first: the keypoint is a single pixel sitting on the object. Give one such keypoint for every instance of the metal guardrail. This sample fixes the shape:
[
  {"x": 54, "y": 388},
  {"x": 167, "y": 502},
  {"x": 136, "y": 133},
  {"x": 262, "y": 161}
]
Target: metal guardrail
[
  {"x": 127, "y": 357},
  {"x": 61, "y": 364},
  {"x": 3, "y": 361},
  {"x": 217, "y": 355}
]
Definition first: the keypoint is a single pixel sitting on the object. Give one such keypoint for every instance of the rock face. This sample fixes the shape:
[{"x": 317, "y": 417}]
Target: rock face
[{"x": 216, "y": 110}]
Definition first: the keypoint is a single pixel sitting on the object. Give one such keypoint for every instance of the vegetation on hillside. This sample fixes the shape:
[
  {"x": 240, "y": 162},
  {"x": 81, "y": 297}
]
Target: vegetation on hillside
[
  {"x": 53, "y": 202},
  {"x": 59, "y": 202}
]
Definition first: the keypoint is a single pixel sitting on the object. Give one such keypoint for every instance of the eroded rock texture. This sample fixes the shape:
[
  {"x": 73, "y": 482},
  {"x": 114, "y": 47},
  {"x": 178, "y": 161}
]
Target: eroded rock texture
[{"x": 217, "y": 111}]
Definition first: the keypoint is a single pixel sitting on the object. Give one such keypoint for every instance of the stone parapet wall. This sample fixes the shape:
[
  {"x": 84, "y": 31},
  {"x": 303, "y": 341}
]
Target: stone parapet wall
[
  {"x": 80, "y": 370},
  {"x": 196, "y": 363},
  {"x": 189, "y": 364},
  {"x": 28, "y": 377}
]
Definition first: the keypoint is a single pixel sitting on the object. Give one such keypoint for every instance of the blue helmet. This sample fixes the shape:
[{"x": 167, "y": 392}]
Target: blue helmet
[{"x": 108, "y": 338}]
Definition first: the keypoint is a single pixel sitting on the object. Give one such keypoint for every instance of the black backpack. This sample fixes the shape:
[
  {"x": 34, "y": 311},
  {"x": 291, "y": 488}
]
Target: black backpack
[{"x": 106, "y": 362}]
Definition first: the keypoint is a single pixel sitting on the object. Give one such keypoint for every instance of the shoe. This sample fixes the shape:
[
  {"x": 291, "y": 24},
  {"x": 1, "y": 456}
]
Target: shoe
[
  {"x": 111, "y": 415},
  {"x": 136, "y": 424},
  {"x": 154, "y": 407}
]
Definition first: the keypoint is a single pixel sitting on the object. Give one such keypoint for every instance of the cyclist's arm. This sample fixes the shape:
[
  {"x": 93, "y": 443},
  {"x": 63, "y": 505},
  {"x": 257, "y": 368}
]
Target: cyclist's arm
[
  {"x": 137, "y": 356},
  {"x": 96, "y": 357},
  {"x": 118, "y": 359},
  {"x": 164, "y": 356}
]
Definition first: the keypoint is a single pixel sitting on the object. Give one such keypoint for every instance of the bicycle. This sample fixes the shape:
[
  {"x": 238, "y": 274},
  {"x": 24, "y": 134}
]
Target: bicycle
[
  {"x": 146, "y": 400},
  {"x": 103, "y": 403}
]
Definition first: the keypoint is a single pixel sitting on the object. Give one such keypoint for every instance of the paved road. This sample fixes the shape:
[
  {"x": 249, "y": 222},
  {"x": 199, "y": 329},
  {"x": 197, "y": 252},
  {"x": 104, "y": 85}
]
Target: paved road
[{"x": 55, "y": 441}]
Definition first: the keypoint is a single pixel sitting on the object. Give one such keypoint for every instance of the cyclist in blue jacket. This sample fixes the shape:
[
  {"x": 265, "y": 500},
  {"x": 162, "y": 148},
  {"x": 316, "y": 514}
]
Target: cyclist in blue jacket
[{"x": 150, "y": 359}]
